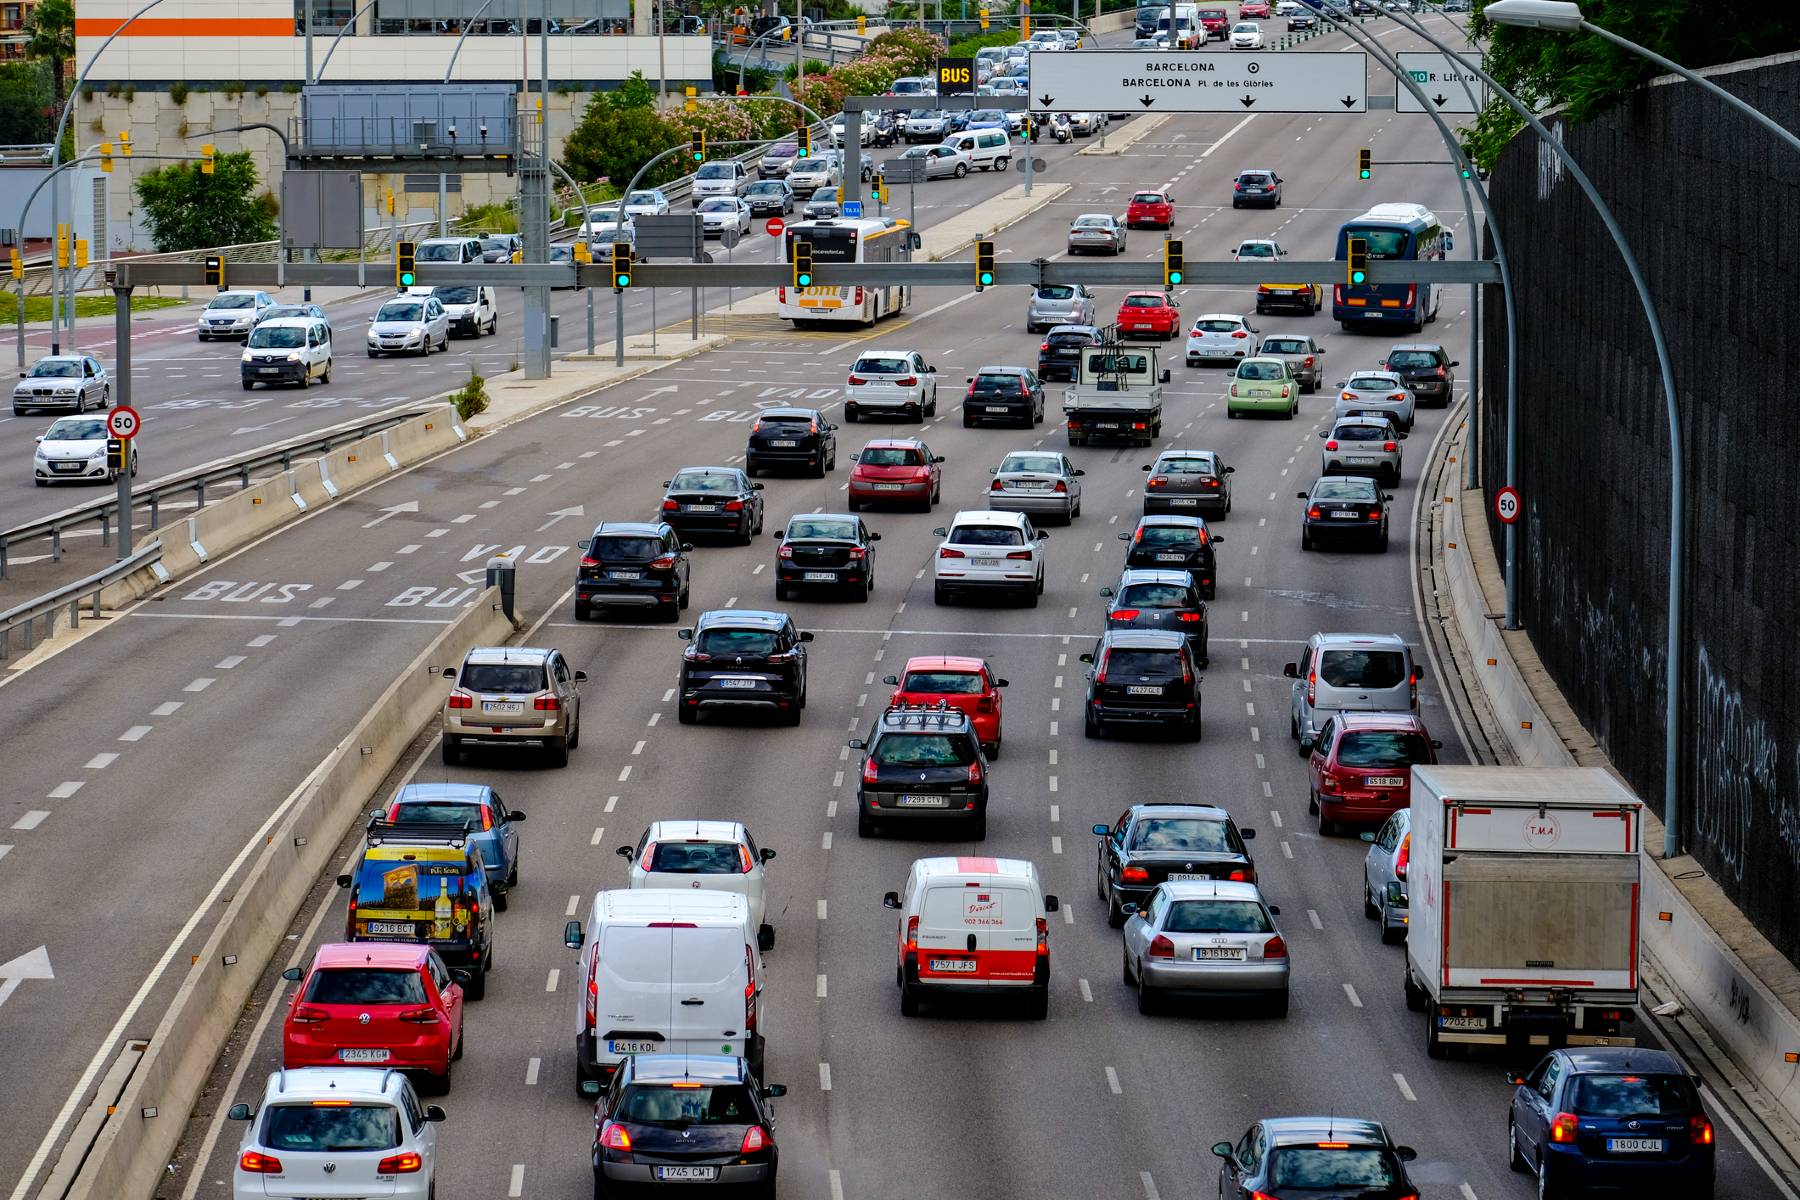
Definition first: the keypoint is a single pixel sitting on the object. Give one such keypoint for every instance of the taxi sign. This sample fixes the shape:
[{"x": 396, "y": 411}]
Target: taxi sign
[
  {"x": 852, "y": 209},
  {"x": 122, "y": 422}
]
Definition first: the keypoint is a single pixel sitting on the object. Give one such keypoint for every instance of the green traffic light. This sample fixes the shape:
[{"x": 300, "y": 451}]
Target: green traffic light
[
  {"x": 1363, "y": 174},
  {"x": 1174, "y": 276},
  {"x": 406, "y": 279},
  {"x": 1358, "y": 277},
  {"x": 803, "y": 279},
  {"x": 622, "y": 281},
  {"x": 1465, "y": 172},
  {"x": 987, "y": 278}
]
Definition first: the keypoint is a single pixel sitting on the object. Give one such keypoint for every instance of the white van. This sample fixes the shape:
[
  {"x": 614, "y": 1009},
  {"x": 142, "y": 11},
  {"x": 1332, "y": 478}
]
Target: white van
[
  {"x": 664, "y": 971},
  {"x": 1188, "y": 35},
  {"x": 1350, "y": 672},
  {"x": 986, "y": 148},
  {"x": 448, "y": 250},
  {"x": 293, "y": 350},
  {"x": 973, "y": 926}
]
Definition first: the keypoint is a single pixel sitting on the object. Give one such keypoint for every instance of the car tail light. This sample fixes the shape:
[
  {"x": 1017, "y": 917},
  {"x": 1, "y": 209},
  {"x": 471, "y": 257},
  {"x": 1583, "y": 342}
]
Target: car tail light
[
  {"x": 1332, "y": 444},
  {"x": 1236, "y": 187},
  {"x": 1308, "y": 362},
  {"x": 1158, "y": 481},
  {"x": 1397, "y": 397},
  {"x": 1242, "y": 875},
  {"x": 400, "y": 1164},
  {"x": 1134, "y": 875},
  {"x": 1044, "y": 346},
  {"x": 546, "y": 704},
  {"x": 857, "y": 554},
  {"x": 1412, "y": 294},
  {"x": 665, "y": 563},
  {"x": 1275, "y": 948},
  {"x": 948, "y": 552},
  {"x": 734, "y": 506},
  {"x": 749, "y": 996},
  {"x": 756, "y": 1137},
  {"x": 1328, "y": 782},
  {"x": 1162, "y": 947},
  {"x": 671, "y": 505},
  {"x": 589, "y": 561},
  {"x": 781, "y": 295},
  {"x": 997, "y": 486},
  {"x": 1025, "y": 554},
  {"x": 1239, "y": 334},
  {"x": 1187, "y": 617},
  {"x": 974, "y": 772},
  {"x": 1441, "y": 373},
  {"x": 614, "y": 1137},
  {"x": 985, "y": 704},
  {"x": 907, "y": 381},
  {"x": 1100, "y": 675},
  {"x": 1043, "y": 949},
  {"x": 757, "y": 427},
  {"x": 258, "y": 1163},
  {"x": 1401, "y": 858},
  {"x": 1347, "y": 396},
  {"x": 420, "y": 1016},
  {"x": 1337, "y": 293},
  {"x": 1060, "y": 487},
  {"x": 912, "y": 935},
  {"x": 859, "y": 296},
  {"x": 1312, "y": 514},
  {"x": 857, "y": 381},
  {"x": 306, "y": 1014},
  {"x": 1562, "y": 1129},
  {"x": 1312, "y": 677},
  {"x": 784, "y": 551},
  {"x": 870, "y": 773},
  {"x": 1187, "y": 672},
  {"x": 1023, "y": 390},
  {"x": 460, "y": 699},
  {"x": 1390, "y": 447},
  {"x": 1375, "y": 513},
  {"x": 1700, "y": 1130},
  {"x": 1125, "y": 614},
  {"x": 593, "y": 1000}
]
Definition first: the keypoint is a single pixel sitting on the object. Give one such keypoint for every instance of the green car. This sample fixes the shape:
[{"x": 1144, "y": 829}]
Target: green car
[{"x": 1263, "y": 385}]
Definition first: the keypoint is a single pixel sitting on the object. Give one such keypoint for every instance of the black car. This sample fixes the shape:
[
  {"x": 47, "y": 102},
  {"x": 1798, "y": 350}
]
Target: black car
[
  {"x": 742, "y": 658},
  {"x": 770, "y": 198},
  {"x": 1364, "y": 8},
  {"x": 713, "y": 500},
  {"x": 678, "y": 1120},
  {"x": 1007, "y": 395},
  {"x": 825, "y": 550},
  {"x": 1256, "y": 187},
  {"x": 1171, "y": 542},
  {"x": 1154, "y": 842},
  {"x": 791, "y": 437},
  {"x": 1059, "y": 356},
  {"x": 1427, "y": 369},
  {"x": 1345, "y": 508},
  {"x": 633, "y": 564},
  {"x": 1169, "y": 600},
  {"x": 922, "y": 764},
  {"x": 1142, "y": 677},
  {"x": 1303, "y": 22},
  {"x": 1315, "y": 1156}
]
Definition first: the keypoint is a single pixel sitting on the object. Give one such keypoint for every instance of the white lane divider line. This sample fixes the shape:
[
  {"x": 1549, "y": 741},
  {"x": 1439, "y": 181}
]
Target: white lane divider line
[
  {"x": 101, "y": 761},
  {"x": 625, "y": 773},
  {"x": 837, "y": 1180},
  {"x": 228, "y": 662},
  {"x": 1056, "y": 845},
  {"x": 5, "y": 850},
  {"x": 574, "y": 903},
  {"x": 490, "y": 504},
  {"x": 1112, "y": 1082},
  {"x": 513, "y": 492},
  {"x": 612, "y": 802},
  {"x": 1249, "y": 709},
  {"x": 167, "y": 708},
  {"x": 287, "y": 622},
  {"x": 1268, "y": 791},
  {"x": 1468, "y": 1192},
  {"x": 824, "y": 1077},
  {"x": 821, "y": 988},
  {"x": 1087, "y": 993},
  {"x": 323, "y": 602},
  {"x": 1053, "y": 784},
  {"x": 531, "y": 1072},
  {"x": 1312, "y": 915},
  {"x": 1275, "y": 817},
  {"x": 409, "y": 548},
  {"x": 831, "y": 811},
  {"x": 31, "y": 820},
  {"x": 821, "y": 910},
  {"x": 668, "y": 695},
  {"x": 259, "y": 641},
  {"x": 837, "y": 779},
  {"x": 517, "y": 1186},
  {"x": 639, "y": 748},
  {"x": 199, "y": 685},
  {"x": 64, "y": 790},
  {"x": 654, "y": 718},
  {"x": 550, "y": 981},
  {"x": 1405, "y": 1088},
  {"x": 349, "y": 585},
  {"x": 825, "y": 840},
  {"x": 599, "y": 832},
  {"x": 1287, "y": 851},
  {"x": 135, "y": 733},
  {"x": 1150, "y": 1192},
  {"x": 1055, "y": 811},
  {"x": 1355, "y": 1000}
]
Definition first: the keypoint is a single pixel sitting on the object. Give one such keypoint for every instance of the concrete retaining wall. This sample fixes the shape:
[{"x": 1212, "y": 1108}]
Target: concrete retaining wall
[
  {"x": 1114, "y": 21},
  {"x": 129, "y": 1157}
]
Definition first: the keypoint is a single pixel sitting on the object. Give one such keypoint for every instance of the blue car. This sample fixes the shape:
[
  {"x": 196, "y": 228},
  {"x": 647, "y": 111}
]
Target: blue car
[
  {"x": 1605, "y": 1118},
  {"x": 494, "y": 828}
]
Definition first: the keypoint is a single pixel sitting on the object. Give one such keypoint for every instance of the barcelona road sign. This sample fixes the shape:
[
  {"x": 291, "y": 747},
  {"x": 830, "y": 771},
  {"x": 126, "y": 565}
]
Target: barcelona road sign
[{"x": 1163, "y": 81}]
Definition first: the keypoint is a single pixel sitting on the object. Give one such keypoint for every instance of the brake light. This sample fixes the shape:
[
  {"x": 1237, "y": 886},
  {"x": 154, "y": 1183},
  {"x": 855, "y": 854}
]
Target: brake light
[
  {"x": 1162, "y": 947},
  {"x": 870, "y": 774},
  {"x": 1242, "y": 875},
  {"x": 1060, "y": 487},
  {"x": 400, "y": 1164},
  {"x": 757, "y": 427},
  {"x": 1134, "y": 875},
  {"x": 1700, "y": 1131},
  {"x": 907, "y": 381},
  {"x": 1398, "y": 396},
  {"x": 857, "y": 553},
  {"x": 546, "y": 704},
  {"x": 1337, "y": 293},
  {"x": 1347, "y": 396},
  {"x": 1125, "y": 614},
  {"x": 997, "y": 486},
  {"x": 755, "y": 1137},
  {"x": 1236, "y": 187},
  {"x": 671, "y": 505},
  {"x": 1187, "y": 617},
  {"x": 1312, "y": 514},
  {"x": 1412, "y": 294},
  {"x": 1308, "y": 362},
  {"x": 258, "y": 1163},
  {"x": 1390, "y": 447},
  {"x": 589, "y": 561},
  {"x": 859, "y": 297},
  {"x": 1312, "y": 677},
  {"x": 1025, "y": 554},
  {"x": 420, "y": 1016},
  {"x": 1187, "y": 672},
  {"x": 781, "y": 295},
  {"x": 985, "y": 704},
  {"x": 912, "y": 935},
  {"x": 1044, "y": 346},
  {"x": 948, "y": 552},
  {"x": 1100, "y": 675},
  {"x": 1239, "y": 334},
  {"x": 857, "y": 381},
  {"x": 593, "y": 1001},
  {"x": 1159, "y": 481},
  {"x": 306, "y": 1014},
  {"x": 460, "y": 699},
  {"x": 1563, "y": 1128},
  {"x": 974, "y": 772},
  {"x": 1440, "y": 373},
  {"x": 1332, "y": 444},
  {"x": 784, "y": 551},
  {"x": 749, "y": 997},
  {"x": 1043, "y": 945},
  {"x": 1275, "y": 948},
  {"x": 1401, "y": 858},
  {"x": 744, "y": 858},
  {"x": 970, "y": 394},
  {"x": 614, "y": 1137}
]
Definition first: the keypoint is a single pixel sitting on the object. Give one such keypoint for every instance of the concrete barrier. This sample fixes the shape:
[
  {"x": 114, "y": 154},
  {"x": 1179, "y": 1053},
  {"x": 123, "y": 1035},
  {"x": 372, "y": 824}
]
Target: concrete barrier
[
  {"x": 350, "y": 467},
  {"x": 128, "y": 1157},
  {"x": 1113, "y": 22}
]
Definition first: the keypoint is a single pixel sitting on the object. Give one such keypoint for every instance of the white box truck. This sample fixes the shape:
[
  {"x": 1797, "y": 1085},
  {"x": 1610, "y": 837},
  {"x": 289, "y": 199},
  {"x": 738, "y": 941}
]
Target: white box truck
[{"x": 1523, "y": 905}]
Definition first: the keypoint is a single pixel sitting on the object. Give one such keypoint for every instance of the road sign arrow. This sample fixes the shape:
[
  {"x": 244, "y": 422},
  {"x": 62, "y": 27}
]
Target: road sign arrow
[
  {"x": 411, "y": 506},
  {"x": 242, "y": 429},
  {"x": 559, "y": 514},
  {"x": 33, "y": 964},
  {"x": 1349, "y": 102},
  {"x": 667, "y": 387},
  {"x": 1146, "y": 101},
  {"x": 1440, "y": 99},
  {"x": 1247, "y": 101},
  {"x": 1046, "y": 100},
  {"x": 473, "y": 577}
]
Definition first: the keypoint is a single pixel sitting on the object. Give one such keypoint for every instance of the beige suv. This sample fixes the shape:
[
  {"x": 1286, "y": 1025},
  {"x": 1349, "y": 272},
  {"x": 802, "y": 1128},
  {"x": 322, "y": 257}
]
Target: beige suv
[{"x": 509, "y": 695}]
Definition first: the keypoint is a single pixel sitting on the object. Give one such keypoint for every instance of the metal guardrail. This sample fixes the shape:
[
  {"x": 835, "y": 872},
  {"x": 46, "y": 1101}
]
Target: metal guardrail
[
  {"x": 195, "y": 481},
  {"x": 25, "y": 617}
]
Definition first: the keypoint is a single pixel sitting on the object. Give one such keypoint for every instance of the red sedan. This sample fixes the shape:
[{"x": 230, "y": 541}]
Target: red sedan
[
  {"x": 1361, "y": 766},
  {"x": 377, "y": 1004},
  {"x": 1252, "y": 10},
  {"x": 1152, "y": 210},
  {"x": 965, "y": 683},
  {"x": 1149, "y": 314},
  {"x": 896, "y": 470}
]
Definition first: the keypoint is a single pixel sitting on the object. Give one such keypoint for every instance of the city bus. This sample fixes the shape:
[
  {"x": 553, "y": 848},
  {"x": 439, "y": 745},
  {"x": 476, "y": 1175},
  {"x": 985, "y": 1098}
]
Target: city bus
[
  {"x": 1409, "y": 232},
  {"x": 838, "y": 240}
]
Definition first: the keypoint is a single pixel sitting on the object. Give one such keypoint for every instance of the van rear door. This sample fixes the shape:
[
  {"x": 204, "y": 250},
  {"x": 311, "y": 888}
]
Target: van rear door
[
  {"x": 712, "y": 989},
  {"x": 980, "y": 934}
]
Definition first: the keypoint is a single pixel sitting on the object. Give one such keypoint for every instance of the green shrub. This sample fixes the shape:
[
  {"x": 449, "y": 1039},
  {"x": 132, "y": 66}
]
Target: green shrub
[
  {"x": 129, "y": 92},
  {"x": 178, "y": 93},
  {"x": 262, "y": 89},
  {"x": 472, "y": 397}
]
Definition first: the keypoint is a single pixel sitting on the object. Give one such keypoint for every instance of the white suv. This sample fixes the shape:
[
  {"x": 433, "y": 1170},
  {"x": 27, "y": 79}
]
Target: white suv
[
  {"x": 892, "y": 383},
  {"x": 337, "y": 1130},
  {"x": 989, "y": 552}
]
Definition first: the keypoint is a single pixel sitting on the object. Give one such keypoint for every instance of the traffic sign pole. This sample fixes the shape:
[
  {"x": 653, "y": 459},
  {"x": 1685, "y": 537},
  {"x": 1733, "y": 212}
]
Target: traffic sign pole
[{"x": 121, "y": 397}]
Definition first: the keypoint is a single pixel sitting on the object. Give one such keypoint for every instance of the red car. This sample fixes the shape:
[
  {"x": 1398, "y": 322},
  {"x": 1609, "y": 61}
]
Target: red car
[
  {"x": 1150, "y": 209},
  {"x": 1149, "y": 314},
  {"x": 377, "y": 1004},
  {"x": 1214, "y": 23},
  {"x": 965, "y": 683},
  {"x": 1251, "y": 10},
  {"x": 890, "y": 470},
  {"x": 1362, "y": 766}
]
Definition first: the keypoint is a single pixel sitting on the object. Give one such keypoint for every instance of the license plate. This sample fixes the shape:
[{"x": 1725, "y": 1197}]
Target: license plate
[
  {"x": 985, "y": 562},
  {"x": 400, "y": 928},
  {"x": 1471, "y": 1023},
  {"x": 1029, "y": 484},
  {"x": 1262, "y": 392},
  {"x": 1171, "y": 558},
  {"x": 700, "y": 1174},
  {"x": 735, "y": 683},
  {"x": 785, "y": 443},
  {"x": 1361, "y": 459},
  {"x": 362, "y": 1056},
  {"x": 503, "y": 708},
  {"x": 1373, "y": 316},
  {"x": 1107, "y": 425},
  {"x": 999, "y": 408},
  {"x": 703, "y": 508},
  {"x": 1634, "y": 1145},
  {"x": 1139, "y": 325},
  {"x": 1142, "y": 689},
  {"x": 1180, "y": 875},
  {"x": 62, "y": 466},
  {"x": 1344, "y": 516},
  {"x": 1387, "y": 781},
  {"x": 1182, "y": 500},
  {"x": 964, "y": 966},
  {"x": 268, "y": 370},
  {"x": 1226, "y": 953},
  {"x": 888, "y": 487},
  {"x": 624, "y": 574},
  {"x": 912, "y": 801},
  {"x": 821, "y": 576},
  {"x": 633, "y": 1046}
]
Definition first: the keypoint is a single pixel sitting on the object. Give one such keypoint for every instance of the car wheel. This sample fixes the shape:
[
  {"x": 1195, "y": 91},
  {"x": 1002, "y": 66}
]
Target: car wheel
[
  {"x": 1090, "y": 727},
  {"x": 249, "y": 386},
  {"x": 1369, "y": 909},
  {"x": 499, "y": 901},
  {"x": 864, "y": 826},
  {"x": 1037, "y": 1004},
  {"x": 1306, "y": 542},
  {"x": 1414, "y": 994},
  {"x": 326, "y": 377},
  {"x": 909, "y": 1003},
  {"x": 850, "y": 414},
  {"x": 686, "y": 595},
  {"x": 1231, "y": 412},
  {"x": 861, "y": 594},
  {"x": 1115, "y": 913},
  {"x": 962, "y": 169},
  {"x": 1514, "y": 1159},
  {"x": 940, "y": 595},
  {"x": 1278, "y": 1003},
  {"x": 1389, "y": 935},
  {"x": 1327, "y": 826},
  {"x": 373, "y": 354},
  {"x": 1146, "y": 1000},
  {"x": 557, "y": 751},
  {"x": 783, "y": 591},
  {"x": 1545, "y": 1189},
  {"x": 477, "y": 986},
  {"x": 452, "y": 751},
  {"x": 855, "y": 504}
]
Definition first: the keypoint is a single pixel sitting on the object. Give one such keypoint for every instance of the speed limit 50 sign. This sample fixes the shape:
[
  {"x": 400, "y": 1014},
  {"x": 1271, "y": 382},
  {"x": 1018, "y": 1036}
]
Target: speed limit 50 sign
[
  {"x": 122, "y": 422},
  {"x": 1506, "y": 505}
]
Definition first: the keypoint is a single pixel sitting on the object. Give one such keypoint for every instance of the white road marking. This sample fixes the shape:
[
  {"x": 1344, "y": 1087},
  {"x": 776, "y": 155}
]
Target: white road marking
[
  {"x": 31, "y": 820},
  {"x": 825, "y": 840},
  {"x": 824, "y": 1077},
  {"x": 550, "y": 981},
  {"x": 1150, "y": 1192},
  {"x": 199, "y": 685},
  {"x": 64, "y": 790},
  {"x": 167, "y": 708},
  {"x": 1355, "y": 1000},
  {"x": 625, "y": 773},
  {"x": 821, "y": 910},
  {"x": 101, "y": 761},
  {"x": 611, "y": 803},
  {"x": 531, "y": 1072},
  {"x": 135, "y": 733},
  {"x": 1087, "y": 993},
  {"x": 574, "y": 903},
  {"x": 1405, "y": 1088},
  {"x": 599, "y": 832},
  {"x": 821, "y": 991},
  {"x": 1053, "y": 784},
  {"x": 1056, "y": 845},
  {"x": 228, "y": 662},
  {"x": 259, "y": 641},
  {"x": 1274, "y": 816},
  {"x": 1112, "y": 1082},
  {"x": 517, "y": 1186},
  {"x": 1313, "y": 916},
  {"x": 639, "y": 748},
  {"x": 1287, "y": 851}
]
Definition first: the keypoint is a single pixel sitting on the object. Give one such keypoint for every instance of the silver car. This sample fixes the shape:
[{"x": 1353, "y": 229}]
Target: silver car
[
  {"x": 1362, "y": 446},
  {"x": 512, "y": 695},
  {"x": 232, "y": 314},
  {"x": 409, "y": 325},
  {"x": 1209, "y": 938},
  {"x": 1038, "y": 482},
  {"x": 1097, "y": 231},
  {"x": 813, "y": 174},
  {"x": 649, "y": 202},
  {"x": 1302, "y": 351},
  {"x": 62, "y": 381},
  {"x": 720, "y": 213},
  {"x": 940, "y": 161},
  {"x": 74, "y": 448},
  {"x": 1384, "y": 875},
  {"x": 1377, "y": 393},
  {"x": 1059, "y": 304}
]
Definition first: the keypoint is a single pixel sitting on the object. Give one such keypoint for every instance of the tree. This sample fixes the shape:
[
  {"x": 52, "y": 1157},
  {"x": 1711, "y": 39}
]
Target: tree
[
  {"x": 187, "y": 210},
  {"x": 633, "y": 92},
  {"x": 24, "y": 104},
  {"x": 50, "y": 35},
  {"x": 611, "y": 143}
]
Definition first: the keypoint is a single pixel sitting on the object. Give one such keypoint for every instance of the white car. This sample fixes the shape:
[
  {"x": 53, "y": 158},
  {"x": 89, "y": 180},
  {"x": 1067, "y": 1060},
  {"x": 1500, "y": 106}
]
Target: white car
[
  {"x": 866, "y": 132},
  {"x": 648, "y": 202},
  {"x": 724, "y": 212},
  {"x": 1220, "y": 336},
  {"x": 339, "y": 1131},
  {"x": 1287, "y": 8},
  {"x": 1258, "y": 250},
  {"x": 1246, "y": 35},
  {"x": 941, "y": 161},
  {"x": 721, "y": 177},
  {"x": 716, "y": 856},
  {"x": 74, "y": 448},
  {"x": 409, "y": 325},
  {"x": 472, "y": 311},
  {"x": 1086, "y": 124},
  {"x": 812, "y": 174},
  {"x": 62, "y": 381},
  {"x": 232, "y": 314},
  {"x": 891, "y": 383},
  {"x": 1377, "y": 393},
  {"x": 989, "y": 551}
]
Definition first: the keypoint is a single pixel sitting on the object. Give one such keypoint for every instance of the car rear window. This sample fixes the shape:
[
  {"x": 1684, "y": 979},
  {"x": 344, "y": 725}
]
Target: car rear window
[
  {"x": 736, "y": 641},
  {"x": 999, "y": 383},
  {"x": 365, "y": 985},
  {"x": 1147, "y": 198},
  {"x": 1383, "y": 748},
  {"x": 841, "y": 530},
  {"x": 1256, "y": 250},
  {"x": 1284, "y": 346},
  {"x": 1153, "y": 595},
  {"x": 1217, "y": 326},
  {"x": 688, "y": 1104},
  {"x": 1413, "y": 358},
  {"x": 882, "y": 366},
  {"x": 1184, "y": 466},
  {"x": 986, "y": 535},
  {"x": 618, "y": 547},
  {"x": 331, "y": 1128},
  {"x": 1217, "y": 916},
  {"x": 1071, "y": 339},
  {"x": 784, "y": 150},
  {"x": 1162, "y": 664},
  {"x": 1633, "y": 1096},
  {"x": 1371, "y": 383},
  {"x": 1352, "y": 488},
  {"x": 1055, "y": 291},
  {"x": 1266, "y": 371},
  {"x": 437, "y": 811},
  {"x": 1359, "y": 433},
  {"x": 923, "y": 750},
  {"x": 697, "y": 858},
  {"x": 698, "y": 481},
  {"x": 1144, "y": 302},
  {"x": 1181, "y": 835},
  {"x": 891, "y": 456},
  {"x": 1253, "y": 177},
  {"x": 945, "y": 683},
  {"x": 1362, "y": 668},
  {"x": 1168, "y": 537},
  {"x": 507, "y": 678},
  {"x": 1047, "y": 463},
  {"x": 1325, "y": 1167}
]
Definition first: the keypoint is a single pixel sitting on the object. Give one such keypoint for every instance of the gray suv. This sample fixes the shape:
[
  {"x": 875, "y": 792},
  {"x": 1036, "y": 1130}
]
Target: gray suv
[
  {"x": 510, "y": 695},
  {"x": 1059, "y": 304}
]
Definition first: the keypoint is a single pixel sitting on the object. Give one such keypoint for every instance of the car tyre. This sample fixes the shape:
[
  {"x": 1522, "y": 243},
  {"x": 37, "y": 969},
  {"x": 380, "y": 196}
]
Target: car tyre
[
  {"x": 477, "y": 987},
  {"x": 1312, "y": 797},
  {"x": 557, "y": 751},
  {"x": 1415, "y": 995},
  {"x": 248, "y": 387},
  {"x": 686, "y": 714},
  {"x": 1369, "y": 909},
  {"x": 1278, "y": 1003},
  {"x": 1514, "y": 1159},
  {"x": 1436, "y": 1048},
  {"x": 909, "y": 1003},
  {"x": 865, "y": 828},
  {"x": 783, "y": 591},
  {"x": 452, "y": 751},
  {"x": 1115, "y": 913},
  {"x": 1125, "y": 971},
  {"x": 1306, "y": 541},
  {"x": 499, "y": 901},
  {"x": 583, "y": 612},
  {"x": 962, "y": 169},
  {"x": 1389, "y": 935},
  {"x": 940, "y": 595},
  {"x": 1037, "y": 1003},
  {"x": 1146, "y": 999},
  {"x": 861, "y": 594},
  {"x": 1546, "y": 1190},
  {"x": 1091, "y": 727}
]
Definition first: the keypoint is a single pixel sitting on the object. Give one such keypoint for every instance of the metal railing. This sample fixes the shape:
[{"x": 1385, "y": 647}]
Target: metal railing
[
  {"x": 196, "y": 481},
  {"x": 25, "y": 617}
]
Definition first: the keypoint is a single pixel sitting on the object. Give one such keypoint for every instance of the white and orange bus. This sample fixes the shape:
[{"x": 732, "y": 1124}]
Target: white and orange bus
[{"x": 837, "y": 240}]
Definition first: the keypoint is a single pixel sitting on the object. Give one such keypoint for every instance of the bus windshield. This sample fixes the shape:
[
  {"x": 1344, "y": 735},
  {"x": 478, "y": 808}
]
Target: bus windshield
[{"x": 1384, "y": 243}]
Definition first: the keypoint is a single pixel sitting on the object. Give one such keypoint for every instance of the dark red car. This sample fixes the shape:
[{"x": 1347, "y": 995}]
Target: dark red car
[
  {"x": 1149, "y": 314},
  {"x": 1214, "y": 23},
  {"x": 1153, "y": 210},
  {"x": 376, "y": 1004},
  {"x": 1253, "y": 10},
  {"x": 1362, "y": 765},
  {"x": 896, "y": 471},
  {"x": 959, "y": 681}
]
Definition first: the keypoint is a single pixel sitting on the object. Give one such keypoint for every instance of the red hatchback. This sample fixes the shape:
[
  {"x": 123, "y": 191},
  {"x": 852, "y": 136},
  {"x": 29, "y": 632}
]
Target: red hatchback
[
  {"x": 890, "y": 470},
  {"x": 1362, "y": 766},
  {"x": 1153, "y": 210},
  {"x": 1149, "y": 314},
  {"x": 965, "y": 683},
  {"x": 376, "y": 1004},
  {"x": 1253, "y": 10}
]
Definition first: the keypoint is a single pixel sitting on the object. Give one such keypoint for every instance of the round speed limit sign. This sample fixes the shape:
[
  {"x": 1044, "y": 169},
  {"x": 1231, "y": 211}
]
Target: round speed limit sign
[
  {"x": 1506, "y": 504},
  {"x": 122, "y": 422}
]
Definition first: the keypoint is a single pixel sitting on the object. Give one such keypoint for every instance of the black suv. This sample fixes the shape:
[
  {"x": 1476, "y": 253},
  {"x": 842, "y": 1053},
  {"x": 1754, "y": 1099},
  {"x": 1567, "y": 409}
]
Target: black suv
[
  {"x": 742, "y": 658},
  {"x": 1142, "y": 677},
  {"x": 1166, "y": 542},
  {"x": 713, "y": 500},
  {"x": 825, "y": 550},
  {"x": 633, "y": 564},
  {"x": 1154, "y": 842},
  {"x": 703, "y": 1113},
  {"x": 1147, "y": 599},
  {"x": 1059, "y": 356},
  {"x": 1428, "y": 370},
  {"x": 791, "y": 437},
  {"x": 1010, "y": 395},
  {"x": 922, "y": 763}
]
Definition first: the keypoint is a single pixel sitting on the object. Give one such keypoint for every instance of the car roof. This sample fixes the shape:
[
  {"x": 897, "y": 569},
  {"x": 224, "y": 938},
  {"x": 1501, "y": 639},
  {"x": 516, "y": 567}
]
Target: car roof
[
  {"x": 795, "y": 411},
  {"x": 1291, "y": 1131},
  {"x": 659, "y": 904},
  {"x": 1220, "y": 316},
  {"x": 300, "y": 322},
  {"x": 1353, "y": 721},
  {"x": 309, "y": 1083},
  {"x": 1148, "y": 292},
  {"x": 1149, "y": 519},
  {"x": 1263, "y": 358},
  {"x": 1101, "y": 216},
  {"x": 978, "y": 516},
  {"x": 370, "y": 954},
  {"x": 1322, "y": 480},
  {"x": 1175, "y": 808},
  {"x": 893, "y": 444},
  {"x": 1416, "y": 346},
  {"x": 972, "y": 864},
  {"x": 1164, "y": 192},
  {"x": 74, "y": 358},
  {"x": 823, "y": 516},
  {"x": 720, "y": 831},
  {"x": 419, "y": 793},
  {"x": 1143, "y": 639},
  {"x": 1338, "y": 641},
  {"x": 1000, "y": 370},
  {"x": 1153, "y": 575},
  {"x": 680, "y": 471},
  {"x": 638, "y": 528},
  {"x": 1636, "y": 1059},
  {"x": 1210, "y": 889},
  {"x": 1090, "y": 330},
  {"x": 749, "y": 618},
  {"x": 1178, "y": 452},
  {"x": 507, "y": 654},
  {"x": 939, "y": 717},
  {"x": 894, "y": 351},
  {"x": 1374, "y": 372},
  {"x": 668, "y": 1068},
  {"x": 943, "y": 662}
]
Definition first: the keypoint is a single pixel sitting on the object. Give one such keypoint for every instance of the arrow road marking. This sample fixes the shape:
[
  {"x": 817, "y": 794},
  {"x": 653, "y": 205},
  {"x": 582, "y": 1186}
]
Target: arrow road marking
[
  {"x": 559, "y": 514},
  {"x": 33, "y": 964},
  {"x": 272, "y": 424},
  {"x": 411, "y": 506}
]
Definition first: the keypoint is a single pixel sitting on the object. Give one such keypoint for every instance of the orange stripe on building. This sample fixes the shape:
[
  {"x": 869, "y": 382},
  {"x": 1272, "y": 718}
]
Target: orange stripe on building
[{"x": 187, "y": 27}]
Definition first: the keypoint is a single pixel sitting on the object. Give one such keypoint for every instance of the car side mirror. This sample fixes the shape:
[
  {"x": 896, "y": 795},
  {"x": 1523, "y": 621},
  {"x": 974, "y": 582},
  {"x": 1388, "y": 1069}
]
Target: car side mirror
[
  {"x": 857, "y": 744},
  {"x": 1405, "y": 1153},
  {"x": 40, "y": 437},
  {"x": 1222, "y": 1150},
  {"x": 1147, "y": 466},
  {"x": 1366, "y": 836},
  {"x": 766, "y": 855},
  {"x": 1124, "y": 537},
  {"x": 581, "y": 677},
  {"x": 1456, "y": 362},
  {"x": 434, "y": 1114},
  {"x": 1342, "y": 382},
  {"x": 1052, "y": 904},
  {"x": 1000, "y": 683},
  {"x": 806, "y": 636},
  {"x": 1300, "y": 495},
  {"x": 778, "y": 534},
  {"x": 941, "y": 531},
  {"x": 1087, "y": 658},
  {"x": 1324, "y": 433},
  {"x": 1102, "y": 831},
  {"x": 1400, "y": 437},
  {"x": 572, "y": 935},
  {"x": 938, "y": 458},
  {"x": 1079, "y": 471},
  {"x": 590, "y": 1087},
  {"x": 1106, "y": 592},
  {"x": 449, "y": 672},
  {"x": 292, "y": 974},
  {"x": 686, "y": 635},
  {"x": 458, "y": 975},
  {"x": 238, "y": 1112},
  {"x": 1290, "y": 670},
  {"x": 775, "y": 1091},
  {"x": 343, "y": 881},
  {"x": 1217, "y": 540},
  {"x": 686, "y": 547},
  {"x": 1274, "y": 910},
  {"x": 1165, "y": 375},
  {"x": 1514, "y": 1078},
  {"x": 891, "y": 900},
  {"x": 1249, "y": 835},
  {"x": 1307, "y": 743},
  {"x": 931, "y": 370},
  {"x": 1436, "y": 745},
  {"x": 756, "y": 487},
  {"x": 1129, "y": 909},
  {"x": 665, "y": 483},
  {"x": 968, "y": 379},
  {"x": 1387, "y": 495},
  {"x": 1382, "y": 363},
  {"x": 891, "y": 680},
  {"x": 626, "y": 853},
  {"x": 856, "y": 457}
]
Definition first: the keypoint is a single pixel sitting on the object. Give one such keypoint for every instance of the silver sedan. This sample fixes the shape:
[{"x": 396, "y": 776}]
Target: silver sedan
[
  {"x": 1362, "y": 446},
  {"x": 1038, "y": 482},
  {"x": 62, "y": 381},
  {"x": 1301, "y": 350},
  {"x": 1205, "y": 938},
  {"x": 1097, "y": 231},
  {"x": 1377, "y": 393},
  {"x": 724, "y": 212}
]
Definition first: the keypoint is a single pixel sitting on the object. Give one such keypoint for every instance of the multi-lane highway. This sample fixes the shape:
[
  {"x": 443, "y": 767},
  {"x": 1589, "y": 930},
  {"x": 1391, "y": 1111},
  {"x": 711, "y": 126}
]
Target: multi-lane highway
[{"x": 181, "y": 726}]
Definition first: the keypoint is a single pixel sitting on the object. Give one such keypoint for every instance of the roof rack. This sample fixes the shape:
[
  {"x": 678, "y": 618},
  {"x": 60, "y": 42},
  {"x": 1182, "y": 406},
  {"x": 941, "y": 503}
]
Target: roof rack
[
  {"x": 455, "y": 833},
  {"x": 924, "y": 716}
]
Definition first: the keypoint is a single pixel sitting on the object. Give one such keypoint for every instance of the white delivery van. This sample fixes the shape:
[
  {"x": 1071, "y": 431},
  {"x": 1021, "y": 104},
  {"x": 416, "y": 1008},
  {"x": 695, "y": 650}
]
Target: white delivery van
[
  {"x": 973, "y": 926},
  {"x": 664, "y": 971},
  {"x": 986, "y": 148}
]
